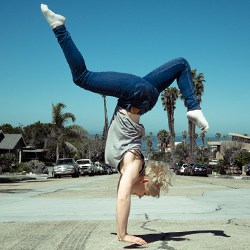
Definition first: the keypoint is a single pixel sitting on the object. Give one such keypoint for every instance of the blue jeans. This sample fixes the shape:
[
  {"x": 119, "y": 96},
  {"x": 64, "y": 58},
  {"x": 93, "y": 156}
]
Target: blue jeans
[{"x": 135, "y": 94}]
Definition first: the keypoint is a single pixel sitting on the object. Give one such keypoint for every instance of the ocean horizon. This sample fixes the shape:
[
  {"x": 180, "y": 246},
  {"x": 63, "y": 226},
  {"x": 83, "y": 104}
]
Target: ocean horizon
[{"x": 178, "y": 138}]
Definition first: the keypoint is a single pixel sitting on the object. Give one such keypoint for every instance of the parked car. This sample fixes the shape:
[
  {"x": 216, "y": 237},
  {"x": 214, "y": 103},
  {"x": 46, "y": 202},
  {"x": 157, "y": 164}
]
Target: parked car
[
  {"x": 197, "y": 169},
  {"x": 99, "y": 168},
  {"x": 87, "y": 167},
  {"x": 182, "y": 170},
  {"x": 177, "y": 170},
  {"x": 107, "y": 169},
  {"x": 247, "y": 169},
  {"x": 65, "y": 166}
]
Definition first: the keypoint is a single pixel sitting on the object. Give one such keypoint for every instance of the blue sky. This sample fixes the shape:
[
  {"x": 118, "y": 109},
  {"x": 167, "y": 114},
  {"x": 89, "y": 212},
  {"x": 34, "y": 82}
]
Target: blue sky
[{"x": 132, "y": 36}]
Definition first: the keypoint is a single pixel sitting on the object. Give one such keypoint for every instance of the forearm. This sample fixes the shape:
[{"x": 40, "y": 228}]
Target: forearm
[
  {"x": 122, "y": 214},
  {"x": 130, "y": 168}
]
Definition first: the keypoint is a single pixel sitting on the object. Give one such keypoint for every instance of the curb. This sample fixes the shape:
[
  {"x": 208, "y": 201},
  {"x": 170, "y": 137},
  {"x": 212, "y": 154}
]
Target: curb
[
  {"x": 240, "y": 177},
  {"x": 15, "y": 178},
  {"x": 20, "y": 178}
]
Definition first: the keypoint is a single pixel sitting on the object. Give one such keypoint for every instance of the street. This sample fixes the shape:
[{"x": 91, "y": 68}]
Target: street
[{"x": 79, "y": 213}]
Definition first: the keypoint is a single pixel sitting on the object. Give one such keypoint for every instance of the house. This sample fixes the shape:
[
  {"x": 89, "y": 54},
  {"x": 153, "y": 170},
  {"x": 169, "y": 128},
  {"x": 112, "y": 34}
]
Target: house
[
  {"x": 30, "y": 153},
  {"x": 217, "y": 145},
  {"x": 243, "y": 139},
  {"x": 12, "y": 143}
]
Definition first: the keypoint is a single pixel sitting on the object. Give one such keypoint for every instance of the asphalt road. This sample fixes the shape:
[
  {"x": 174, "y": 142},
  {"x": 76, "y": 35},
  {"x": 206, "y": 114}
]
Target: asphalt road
[{"x": 79, "y": 213}]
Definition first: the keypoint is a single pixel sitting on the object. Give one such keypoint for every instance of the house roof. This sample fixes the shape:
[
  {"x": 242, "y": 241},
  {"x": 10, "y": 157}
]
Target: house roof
[
  {"x": 1, "y": 135},
  {"x": 10, "y": 141},
  {"x": 214, "y": 143},
  {"x": 34, "y": 150},
  {"x": 238, "y": 135}
]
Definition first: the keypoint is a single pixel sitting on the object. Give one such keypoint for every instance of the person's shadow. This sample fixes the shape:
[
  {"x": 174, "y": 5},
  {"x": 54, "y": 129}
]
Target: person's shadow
[{"x": 174, "y": 236}]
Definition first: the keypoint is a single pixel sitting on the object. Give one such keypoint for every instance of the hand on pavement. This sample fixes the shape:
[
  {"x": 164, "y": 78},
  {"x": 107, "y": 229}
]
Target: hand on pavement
[{"x": 133, "y": 239}]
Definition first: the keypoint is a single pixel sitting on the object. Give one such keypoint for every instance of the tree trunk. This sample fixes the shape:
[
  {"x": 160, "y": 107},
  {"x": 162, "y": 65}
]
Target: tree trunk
[
  {"x": 172, "y": 136},
  {"x": 105, "y": 132},
  {"x": 163, "y": 149},
  {"x": 191, "y": 131},
  {"x": 57, "y": 151}
]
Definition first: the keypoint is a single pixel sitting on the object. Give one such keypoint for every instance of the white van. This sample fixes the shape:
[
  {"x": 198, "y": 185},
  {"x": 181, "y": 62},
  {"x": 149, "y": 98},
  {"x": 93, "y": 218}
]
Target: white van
[{"x": 86, "y": 167}]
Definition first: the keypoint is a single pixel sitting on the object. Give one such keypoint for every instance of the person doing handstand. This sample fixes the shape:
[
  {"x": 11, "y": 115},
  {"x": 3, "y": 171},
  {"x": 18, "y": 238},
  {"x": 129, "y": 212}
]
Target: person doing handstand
[{"x": 136, "y": 96}]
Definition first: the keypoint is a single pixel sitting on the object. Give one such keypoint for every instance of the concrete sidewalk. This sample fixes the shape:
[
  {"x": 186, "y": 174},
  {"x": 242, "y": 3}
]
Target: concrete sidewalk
[
  {"x": 10, "y": 178},
  {"x": 101, "y": 235},
  {"x": 79, "y": 213}
]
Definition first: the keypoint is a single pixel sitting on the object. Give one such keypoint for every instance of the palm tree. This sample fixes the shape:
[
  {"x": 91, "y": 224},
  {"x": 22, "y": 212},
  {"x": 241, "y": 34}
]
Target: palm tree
[
  {"x": 106, "y": 125},
  {"x": 199, "y": 90},
  {"x": 182, "y": 152},
  {"x": 60, "y": 133},
  {"x": 203, "y": 135},
  {"x": 149, "y": 143},
  {"x": 169, "y": 97},
  {"x": 184, "y": 136},
  {"x": 163, "y": 138},
  {"x": 218, "y": 135}
]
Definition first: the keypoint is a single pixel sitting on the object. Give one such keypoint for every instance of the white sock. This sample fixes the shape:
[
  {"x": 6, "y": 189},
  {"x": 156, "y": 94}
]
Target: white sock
[
  {"x": 197, "y": 117},
  {"x": 52, "y": 18}
]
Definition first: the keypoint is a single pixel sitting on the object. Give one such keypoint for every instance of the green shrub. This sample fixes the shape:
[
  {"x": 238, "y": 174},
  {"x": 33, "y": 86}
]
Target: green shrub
[
  {"x": 34, "y": 166},
  {"x": 7, "y": 161},
  {"x": 23, "y": 167},
  {"x": 220, "y": 167},
  {"x": 37, "y": 167}
]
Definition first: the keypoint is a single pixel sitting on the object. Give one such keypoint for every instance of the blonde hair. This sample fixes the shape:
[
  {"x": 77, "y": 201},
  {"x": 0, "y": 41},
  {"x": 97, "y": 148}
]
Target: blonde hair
[{"x": 159, "y": 177}]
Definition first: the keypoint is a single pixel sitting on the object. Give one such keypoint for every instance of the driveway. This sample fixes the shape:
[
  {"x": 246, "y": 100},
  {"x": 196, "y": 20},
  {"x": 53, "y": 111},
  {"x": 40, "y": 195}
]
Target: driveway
[{"x": 69, "y": 213}]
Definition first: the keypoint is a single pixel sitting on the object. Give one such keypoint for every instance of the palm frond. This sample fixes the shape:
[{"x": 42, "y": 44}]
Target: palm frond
[
  {"x": 67, "y": 116},
  {"x": 70, "y": 147}
]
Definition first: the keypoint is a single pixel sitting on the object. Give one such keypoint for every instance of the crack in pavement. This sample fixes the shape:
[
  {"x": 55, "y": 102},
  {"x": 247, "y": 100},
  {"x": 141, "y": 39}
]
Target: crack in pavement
[
  {"x": 159, "y": 236},
  {"x": 232, "y": 222}
]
